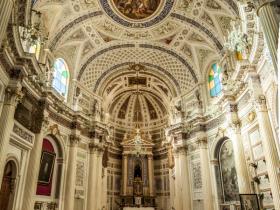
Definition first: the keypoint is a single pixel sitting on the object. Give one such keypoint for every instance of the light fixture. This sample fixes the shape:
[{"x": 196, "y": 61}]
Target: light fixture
[{"x": 236, "y": 41}]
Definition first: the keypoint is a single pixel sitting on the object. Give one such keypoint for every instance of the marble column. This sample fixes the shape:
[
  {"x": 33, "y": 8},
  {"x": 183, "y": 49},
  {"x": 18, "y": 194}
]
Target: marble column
[
  {"x": 205, "y": 174},
  {"x": 69, "y": 197},
  {"x": 234, "y": 126},
  {"x": 40, "y": 128},
  {"x": 268, "y": 141},
  {"x": 124, "y": 173},
  {"x": 151, "y": 174},
  {"x": 91, "y": 190},
  {"x": 270, "y": 27},
  {"x": 6, "y": 7},
  {"x": 13, "y": 94}
]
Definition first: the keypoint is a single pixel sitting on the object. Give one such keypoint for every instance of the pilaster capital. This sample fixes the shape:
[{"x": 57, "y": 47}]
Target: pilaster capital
[
  {"x": 231, "y": 108},
  {"x": 180, "y": 150},
  {"x": 125, "y": 156},
  {"x": 95, "y": 148},
  {"x": 74, "y": 140},
  {"x": 235, "y": 126},
  {"x": 13, "y": 94},
  {"x": 202, "y": 142},
  {"x": 150, "y": 157},
  {"x": 260, "y": 103},
  {"x": 232, "y": 117}
]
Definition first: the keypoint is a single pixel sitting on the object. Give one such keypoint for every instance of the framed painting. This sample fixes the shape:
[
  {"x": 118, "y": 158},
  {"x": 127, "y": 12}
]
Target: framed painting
[
  {"x": 249, "y": 202},
  {"x": 46, "y": 167}
]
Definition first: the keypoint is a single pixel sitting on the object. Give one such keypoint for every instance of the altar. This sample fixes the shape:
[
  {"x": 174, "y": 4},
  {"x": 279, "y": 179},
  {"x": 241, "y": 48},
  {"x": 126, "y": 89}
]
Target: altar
[{"x": 138, "y": 174}]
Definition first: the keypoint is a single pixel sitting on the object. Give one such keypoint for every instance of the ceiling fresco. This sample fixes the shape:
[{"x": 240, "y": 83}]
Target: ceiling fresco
[{"x": 137, "y": 9}]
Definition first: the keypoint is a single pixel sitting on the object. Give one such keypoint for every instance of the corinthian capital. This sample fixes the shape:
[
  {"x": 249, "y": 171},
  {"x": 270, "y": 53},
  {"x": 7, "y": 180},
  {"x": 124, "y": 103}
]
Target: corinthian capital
[
  {"x": 74, "y": 140},
  {"x": 232, "y": 108},
  {"x": 202, "y": 143},
  {"x": 235, "y": 126},
  {"x": 180, "y": 150},
  {"x": 260, "y": 103},
  {"x": 13, "y": 94},
  {"x": 95, "y": 147}
]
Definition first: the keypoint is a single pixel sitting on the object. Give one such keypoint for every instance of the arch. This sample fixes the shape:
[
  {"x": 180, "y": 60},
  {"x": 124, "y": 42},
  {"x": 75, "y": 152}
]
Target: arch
[
  {"x": 226, "y": 177},
  {"x": 61, "y": 76},
  {"x": 7, "y": 191},
  {"x": 156, "y": 69}
]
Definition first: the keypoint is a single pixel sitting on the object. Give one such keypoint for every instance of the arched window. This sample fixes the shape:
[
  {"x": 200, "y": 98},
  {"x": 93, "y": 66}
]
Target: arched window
[
  {"x": 214, "y": 80},
  {"x": 60, "y": 77}
]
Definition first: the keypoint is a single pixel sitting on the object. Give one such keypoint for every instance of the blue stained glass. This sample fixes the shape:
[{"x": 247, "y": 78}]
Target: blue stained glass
[{"x": 215, "y": 82}]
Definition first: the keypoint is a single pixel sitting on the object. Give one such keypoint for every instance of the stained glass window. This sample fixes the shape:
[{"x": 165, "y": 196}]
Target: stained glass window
[
  {"x": 60, "y": 76},
  {"x": 214, "y": 80}
]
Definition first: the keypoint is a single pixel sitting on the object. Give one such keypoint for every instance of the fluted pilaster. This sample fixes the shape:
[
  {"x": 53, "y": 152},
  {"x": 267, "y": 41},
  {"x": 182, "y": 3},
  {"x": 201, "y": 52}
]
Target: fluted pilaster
[
  {"x": 71, "y": 172},
  {"x": 268, "y": 141},
  {"x": 270, "y": 27},
  {"x": 151, "y": 174},
  {"x": 13, "y": 94},
  {"x": 99, "y": 179},
  {"x": 6, "y": 7},
  {"x": 34, "y": 159},
  {"x": 234, "y": 126},
  {"x": 93, "y": 176},
  {"x": 182, "y": 184},
  {"x": 124, "y": 173},
  {"x": 205, "y": 173}
]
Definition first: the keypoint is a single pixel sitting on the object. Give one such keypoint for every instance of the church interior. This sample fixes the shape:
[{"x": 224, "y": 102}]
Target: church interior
[{"x": 139, "y": 105}]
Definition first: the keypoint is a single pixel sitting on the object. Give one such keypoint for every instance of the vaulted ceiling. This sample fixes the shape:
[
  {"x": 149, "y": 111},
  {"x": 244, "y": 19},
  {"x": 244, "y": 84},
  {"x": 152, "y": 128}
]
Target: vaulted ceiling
[{"x": 178, "y": 37}]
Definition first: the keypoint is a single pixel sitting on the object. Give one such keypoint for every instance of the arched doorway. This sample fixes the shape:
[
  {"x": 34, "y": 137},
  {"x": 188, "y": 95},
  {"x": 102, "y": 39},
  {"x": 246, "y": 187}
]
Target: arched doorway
[{"x": 8, "y": 186}]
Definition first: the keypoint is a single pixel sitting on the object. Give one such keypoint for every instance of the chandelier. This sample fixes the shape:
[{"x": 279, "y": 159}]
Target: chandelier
[{"x": 237, "y": 41}]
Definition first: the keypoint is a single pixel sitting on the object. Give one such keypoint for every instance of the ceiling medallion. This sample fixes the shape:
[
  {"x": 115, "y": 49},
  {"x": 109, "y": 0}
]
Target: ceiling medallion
[{"x": 137, "y": 13}]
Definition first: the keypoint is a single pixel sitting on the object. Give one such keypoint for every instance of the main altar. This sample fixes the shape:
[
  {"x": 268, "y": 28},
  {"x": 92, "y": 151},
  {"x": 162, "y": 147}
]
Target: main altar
[{"x": 137, "y": 172}]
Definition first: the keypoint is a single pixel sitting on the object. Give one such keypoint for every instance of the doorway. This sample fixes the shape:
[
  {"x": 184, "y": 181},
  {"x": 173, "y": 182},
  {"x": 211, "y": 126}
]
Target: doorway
[{"x": 8, "y": 186}]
